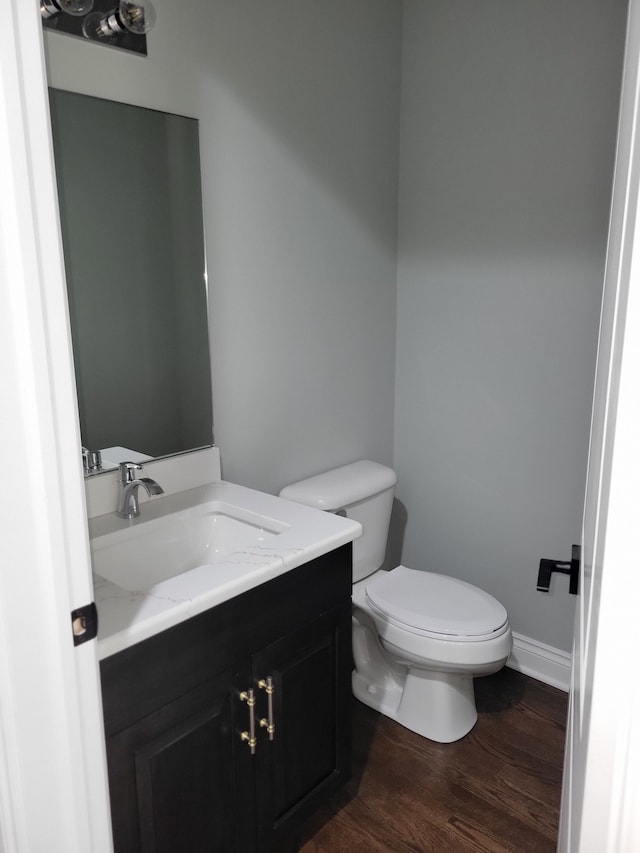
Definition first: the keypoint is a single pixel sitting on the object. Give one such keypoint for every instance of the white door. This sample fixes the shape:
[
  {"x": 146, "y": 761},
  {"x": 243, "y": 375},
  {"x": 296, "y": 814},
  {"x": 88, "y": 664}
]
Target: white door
[
  {"x": 601, "y": 786},
  {"x": 53, "y": 791}
]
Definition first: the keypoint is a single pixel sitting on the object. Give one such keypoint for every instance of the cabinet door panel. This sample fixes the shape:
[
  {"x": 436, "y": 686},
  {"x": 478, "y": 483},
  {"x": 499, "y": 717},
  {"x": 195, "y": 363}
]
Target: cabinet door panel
[
  {"x": 309, "y": 756},
  {"x": 180, "y": 778},
  {"x": 307, "y": 739},
  {"x": 188, "y": 814}
]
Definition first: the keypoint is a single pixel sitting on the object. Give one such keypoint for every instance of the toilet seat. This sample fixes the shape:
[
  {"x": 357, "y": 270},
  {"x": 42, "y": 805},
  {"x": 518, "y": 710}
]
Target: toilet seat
[{"x": 436, "y": 606}]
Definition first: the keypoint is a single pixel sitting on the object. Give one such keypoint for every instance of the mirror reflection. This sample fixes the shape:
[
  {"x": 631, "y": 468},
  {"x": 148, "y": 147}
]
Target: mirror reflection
[{"x": 131, "y": 211}]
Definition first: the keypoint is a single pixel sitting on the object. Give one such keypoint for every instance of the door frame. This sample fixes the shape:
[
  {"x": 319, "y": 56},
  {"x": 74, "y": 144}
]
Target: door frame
[
  {"x": 50, "y": 706},
  {"x": 601, "y": 784},
  {"x": 50, "y": 713}
]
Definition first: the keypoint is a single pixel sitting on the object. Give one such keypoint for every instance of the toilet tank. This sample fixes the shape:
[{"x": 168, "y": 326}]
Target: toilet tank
[{"x": 364, "y": 491}]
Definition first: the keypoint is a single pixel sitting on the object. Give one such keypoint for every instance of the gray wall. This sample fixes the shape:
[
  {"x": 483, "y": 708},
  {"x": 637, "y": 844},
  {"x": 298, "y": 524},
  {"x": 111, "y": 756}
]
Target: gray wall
[
  {"x": 298, "y": 103},
  {"x": 508, "y": 132}
]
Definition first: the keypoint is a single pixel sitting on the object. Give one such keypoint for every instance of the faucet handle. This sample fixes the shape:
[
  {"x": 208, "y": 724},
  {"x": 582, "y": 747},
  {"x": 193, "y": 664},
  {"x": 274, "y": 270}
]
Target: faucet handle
[
  {"x": 91, "y": 460},
  {"x": 127, "y": 471}
]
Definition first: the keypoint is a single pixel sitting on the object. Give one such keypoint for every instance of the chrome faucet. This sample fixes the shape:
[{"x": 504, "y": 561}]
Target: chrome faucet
[
  {"x": 128, "y": 487},
  {"x": 91, "y": 461}
]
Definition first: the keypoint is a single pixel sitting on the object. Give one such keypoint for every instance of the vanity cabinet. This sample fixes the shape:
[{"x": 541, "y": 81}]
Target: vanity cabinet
[{"x": 185, "y": 772}]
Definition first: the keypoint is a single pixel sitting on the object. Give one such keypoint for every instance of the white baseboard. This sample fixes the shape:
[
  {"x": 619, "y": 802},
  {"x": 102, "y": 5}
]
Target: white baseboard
[{"x": 545, "y": 663}]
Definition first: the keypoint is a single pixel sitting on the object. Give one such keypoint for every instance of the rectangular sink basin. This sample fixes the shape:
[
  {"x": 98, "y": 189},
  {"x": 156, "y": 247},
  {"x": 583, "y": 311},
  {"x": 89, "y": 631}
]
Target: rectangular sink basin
[{"x": 146, "y": 553}]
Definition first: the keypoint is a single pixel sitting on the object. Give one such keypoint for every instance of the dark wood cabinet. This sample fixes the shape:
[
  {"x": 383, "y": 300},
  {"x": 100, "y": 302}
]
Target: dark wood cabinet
[
  {"x": 308, "y": 757},
  {"x": 184, "y": 772}
]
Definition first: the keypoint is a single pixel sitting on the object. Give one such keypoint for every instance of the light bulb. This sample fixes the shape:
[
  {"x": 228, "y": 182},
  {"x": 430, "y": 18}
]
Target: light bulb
[
  {"x": 134, "y": 16},
  {"x": 138, "y": 17},
  {"x": 49, "y": 8}
]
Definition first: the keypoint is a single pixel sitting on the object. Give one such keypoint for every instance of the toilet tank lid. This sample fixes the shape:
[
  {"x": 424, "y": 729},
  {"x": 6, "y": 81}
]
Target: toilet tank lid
[{"x": 342, "y": 486}]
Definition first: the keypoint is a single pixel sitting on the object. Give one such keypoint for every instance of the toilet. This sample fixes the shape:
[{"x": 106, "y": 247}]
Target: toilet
[{"x": 419, "y": 638}]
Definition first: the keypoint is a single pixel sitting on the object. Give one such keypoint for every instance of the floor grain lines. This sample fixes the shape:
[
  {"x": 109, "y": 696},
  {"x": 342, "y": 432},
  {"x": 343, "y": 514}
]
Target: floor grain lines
[{"x": 495, "y": 791}]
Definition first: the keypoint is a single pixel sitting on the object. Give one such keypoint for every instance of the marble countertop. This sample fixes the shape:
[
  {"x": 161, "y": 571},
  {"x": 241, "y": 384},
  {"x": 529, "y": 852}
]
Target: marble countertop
[{"x": 126, "y": 617}]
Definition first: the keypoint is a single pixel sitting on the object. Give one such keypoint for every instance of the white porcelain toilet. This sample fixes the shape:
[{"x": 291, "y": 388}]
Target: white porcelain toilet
[{"x": 419, "y": 638}]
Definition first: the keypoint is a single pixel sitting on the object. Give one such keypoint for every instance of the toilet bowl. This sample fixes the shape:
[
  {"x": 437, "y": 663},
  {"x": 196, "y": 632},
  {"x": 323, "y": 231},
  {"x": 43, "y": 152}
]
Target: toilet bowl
[
  {"x": 419, "y": 637},
  {"x": 416, "y": 663}
]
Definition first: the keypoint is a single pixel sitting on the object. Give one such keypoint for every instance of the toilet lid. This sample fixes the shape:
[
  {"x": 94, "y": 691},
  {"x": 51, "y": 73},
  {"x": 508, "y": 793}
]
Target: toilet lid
[{"x": 435, "y": 604}]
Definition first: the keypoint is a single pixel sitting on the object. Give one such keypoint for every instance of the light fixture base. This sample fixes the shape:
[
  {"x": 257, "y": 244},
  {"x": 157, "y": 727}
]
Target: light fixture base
[{"x": 77, "y": 26}]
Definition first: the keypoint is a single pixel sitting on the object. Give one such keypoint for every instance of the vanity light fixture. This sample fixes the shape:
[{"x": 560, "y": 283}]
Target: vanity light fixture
[
  {"x": 49, "y": 8},
  {"x": 135, "y": 17},
  {"x": 115, "y": 23}
]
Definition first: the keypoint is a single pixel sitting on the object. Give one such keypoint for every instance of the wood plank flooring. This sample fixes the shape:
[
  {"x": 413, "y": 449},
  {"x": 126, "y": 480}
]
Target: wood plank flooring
[{"x": 496, "y": 790}]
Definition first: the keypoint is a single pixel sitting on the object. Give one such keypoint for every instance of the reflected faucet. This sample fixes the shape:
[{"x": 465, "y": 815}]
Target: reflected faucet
[
  {"x": 91, "y": 461},
  {"x": 128, "y": 487}
]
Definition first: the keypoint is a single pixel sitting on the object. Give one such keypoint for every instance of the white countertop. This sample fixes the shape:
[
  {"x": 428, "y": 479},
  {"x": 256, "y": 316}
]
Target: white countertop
[{"x": 126, "y": 617}]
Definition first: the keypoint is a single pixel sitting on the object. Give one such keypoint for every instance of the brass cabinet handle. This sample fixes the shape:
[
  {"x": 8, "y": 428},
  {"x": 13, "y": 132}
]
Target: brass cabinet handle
[
  {"x": 248, "y": 696},
  {"x": 268, "y": 724}
]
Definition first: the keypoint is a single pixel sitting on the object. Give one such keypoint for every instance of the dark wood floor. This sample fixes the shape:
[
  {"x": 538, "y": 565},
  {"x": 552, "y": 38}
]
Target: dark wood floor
[{"x": 498, "y": 789}]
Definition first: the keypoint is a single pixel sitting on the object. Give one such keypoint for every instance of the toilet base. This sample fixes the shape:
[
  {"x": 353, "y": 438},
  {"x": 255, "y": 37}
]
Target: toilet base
[{"x": 436, "y": 705}]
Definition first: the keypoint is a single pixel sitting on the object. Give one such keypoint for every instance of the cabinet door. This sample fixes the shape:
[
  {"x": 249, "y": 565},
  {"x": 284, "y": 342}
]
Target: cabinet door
[
  {"x": 181, "y": 779},
  {"x": 309, "y": 755}
]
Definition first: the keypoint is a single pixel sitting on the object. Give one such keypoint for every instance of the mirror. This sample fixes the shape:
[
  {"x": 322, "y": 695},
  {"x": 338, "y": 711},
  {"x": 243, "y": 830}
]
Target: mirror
[{"x": 131, "y": 211}]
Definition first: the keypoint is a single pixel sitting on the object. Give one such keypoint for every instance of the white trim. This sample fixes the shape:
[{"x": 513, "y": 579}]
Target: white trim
[
  {"x": 50, "y": 708},
  {"x": 545, "y": 663},
  {"x": 599, "y": 810}
]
